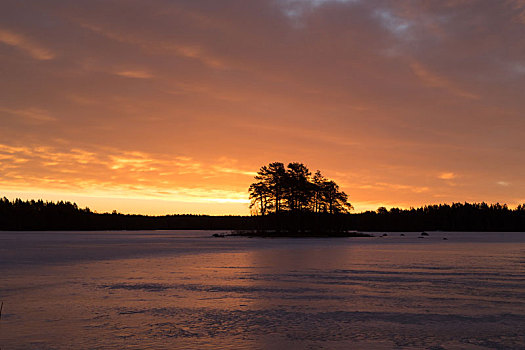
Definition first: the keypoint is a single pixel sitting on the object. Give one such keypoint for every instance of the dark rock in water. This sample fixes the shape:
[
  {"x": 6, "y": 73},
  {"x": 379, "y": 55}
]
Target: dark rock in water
[
  {"x": 402, "y": 234},
  {"x": 445, "y": 238},
  {"x": 218, "y": 235},
  {"x": 424, "y": 234},
  {"x": 384, "y": 235}
]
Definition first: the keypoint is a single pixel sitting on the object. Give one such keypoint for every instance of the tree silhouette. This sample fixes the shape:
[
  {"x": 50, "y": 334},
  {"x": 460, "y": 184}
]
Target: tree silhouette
[
  {"x": 335, "y": 201},
  {"x": 298, "y": 187},
  {"x": 270, "y": 184},
  {"x": 318, "y": 201},
  {"x": 295, "y": 190},
  {"x": 260, "y": 196}
]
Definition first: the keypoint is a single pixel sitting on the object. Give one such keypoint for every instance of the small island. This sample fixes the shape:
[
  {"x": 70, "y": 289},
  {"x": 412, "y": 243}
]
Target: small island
[
  {"x": 294, "y": 203},
  {"x": 293, "y": 189}
]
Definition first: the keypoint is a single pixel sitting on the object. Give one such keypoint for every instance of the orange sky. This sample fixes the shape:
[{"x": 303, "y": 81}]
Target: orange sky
[{"x": 161, "y": 106}]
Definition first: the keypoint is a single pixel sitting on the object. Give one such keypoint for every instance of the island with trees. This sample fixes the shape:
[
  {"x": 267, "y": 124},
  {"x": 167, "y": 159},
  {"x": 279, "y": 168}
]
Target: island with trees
[
  {"x": 293, "y": 202},
  {"x": 294, "y": 189}
]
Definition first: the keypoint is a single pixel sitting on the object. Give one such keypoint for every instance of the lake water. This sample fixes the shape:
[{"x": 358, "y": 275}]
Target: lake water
[{"x": 184, "y": 289}]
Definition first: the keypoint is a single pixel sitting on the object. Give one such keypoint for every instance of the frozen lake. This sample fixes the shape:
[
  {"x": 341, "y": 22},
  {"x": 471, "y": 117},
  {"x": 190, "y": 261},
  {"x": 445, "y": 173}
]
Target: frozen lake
[{"x": 184, "y": 289}]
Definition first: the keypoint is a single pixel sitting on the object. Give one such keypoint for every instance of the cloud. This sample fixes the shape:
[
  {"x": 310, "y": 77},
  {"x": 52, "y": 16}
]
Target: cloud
[
  {"x": 519, "y": 7},
  {"x": 503, "y": 183},
  {"x": 394, "y": 186},
  {"x": 234, "y": 171},
  {"x": 397, "y": 25},
  {"x": 31, "y": 114},
  {"x": 447, "y": 176},
  {"x": 231, "y": 166},
  {"x": 156, "y": 46},
  {"x": 295, "y": 9},
  {"x": 114, "y": 173},
  {"x": 25, "y": 44},
  {"x": 433, "y": 80},
  {"x": 138, "y": 74}
]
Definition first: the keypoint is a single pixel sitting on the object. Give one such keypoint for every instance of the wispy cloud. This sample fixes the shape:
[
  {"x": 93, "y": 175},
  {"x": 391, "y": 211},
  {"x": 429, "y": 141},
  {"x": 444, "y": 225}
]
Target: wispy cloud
[
  {"x": 138, "y": 74},
  {"x": 434, "y": 80},
  {"x": 519, "y": 7},
  {"x": 25, "y": 44},
  {"x": 31, "y": 114},
  {"x": 234, "y": 171},
  {"x": 394, "y": 186},
  {"x": 396, "y": 25},
  {"x": 231, "y": 166},
  {"x": 192, "y": 51}
]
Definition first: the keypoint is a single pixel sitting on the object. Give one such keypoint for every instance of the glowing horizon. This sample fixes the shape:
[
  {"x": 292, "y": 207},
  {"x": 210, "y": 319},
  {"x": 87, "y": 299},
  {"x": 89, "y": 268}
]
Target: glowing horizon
[{"x": 172, "y": 107}]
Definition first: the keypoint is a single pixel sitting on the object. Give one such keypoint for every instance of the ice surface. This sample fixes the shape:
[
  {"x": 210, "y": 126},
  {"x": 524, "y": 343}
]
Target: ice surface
[{"x": 183, "y": 289}]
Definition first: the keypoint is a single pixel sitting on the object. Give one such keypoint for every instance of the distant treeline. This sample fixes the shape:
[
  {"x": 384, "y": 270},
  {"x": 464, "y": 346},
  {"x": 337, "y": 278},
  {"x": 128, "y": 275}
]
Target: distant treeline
[{"x": 41, "y": 215}]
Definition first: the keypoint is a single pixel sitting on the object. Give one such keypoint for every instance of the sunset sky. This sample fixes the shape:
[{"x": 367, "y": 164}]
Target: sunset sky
[{"x": 166, "y": 106}]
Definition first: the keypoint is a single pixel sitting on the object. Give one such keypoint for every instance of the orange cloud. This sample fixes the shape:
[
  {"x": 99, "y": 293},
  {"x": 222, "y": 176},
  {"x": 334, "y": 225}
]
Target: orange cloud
[
  {"x": 416, "y": 189},
  {"x": 25, "y": 44},
  {"x": 139, "y": 74},
  {"x": 113, "y": 174},
  {"x": 171, "y": 46},
  {"x": 36, "y": 115},
  {"x": 447, "y": 176}
]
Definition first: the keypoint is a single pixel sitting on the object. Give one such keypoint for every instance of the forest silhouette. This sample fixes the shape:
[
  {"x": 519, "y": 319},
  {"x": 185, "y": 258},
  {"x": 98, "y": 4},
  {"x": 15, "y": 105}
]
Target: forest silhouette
[{"x": 19, "y": 215}]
